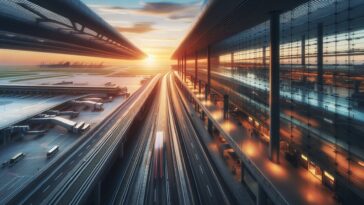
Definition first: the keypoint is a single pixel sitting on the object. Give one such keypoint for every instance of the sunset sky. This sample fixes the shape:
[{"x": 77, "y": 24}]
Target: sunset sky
[{"x": 156, "y": 27}]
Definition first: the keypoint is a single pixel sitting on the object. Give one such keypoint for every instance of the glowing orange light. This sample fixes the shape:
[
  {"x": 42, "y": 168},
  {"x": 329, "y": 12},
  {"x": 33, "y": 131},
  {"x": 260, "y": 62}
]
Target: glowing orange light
[
  {"x": 276, "y": 169},
  {"x": 228, "y": 126},
  {"x": 361, "y": 163},
  {"x": 266, "y": 137},
  {"x": 328, "y": 175},
  {"x": 199, "y": 95},
  {"x": 250, "y": 119},
  {"x": 249, "y": 149},
  {"x": 310, "y": 197},
  {"x": 304, "y": 157},
  {"x": 206, "y": 102},
  {"x": 217, "y": 115}
]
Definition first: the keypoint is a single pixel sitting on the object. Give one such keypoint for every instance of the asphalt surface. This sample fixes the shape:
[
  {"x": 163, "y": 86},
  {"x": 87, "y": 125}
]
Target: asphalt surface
[
  {"x": 205, "y": 179},
  {"x": 174, "y": 171}
]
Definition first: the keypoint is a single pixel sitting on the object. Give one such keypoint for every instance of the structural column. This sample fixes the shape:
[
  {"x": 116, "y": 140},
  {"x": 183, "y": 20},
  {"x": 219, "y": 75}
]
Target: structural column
[
  {"x": 320, "y": 56},
  {"x": 196, "y": 61},
  {"x": 202, "y": 115},
  {"x": 182, "y": 66},
  {"x": 232, "y": 63},
  {"x": 185, "y": 68},
  {"x": 226, "y": 106},
  {"x": 320, "y": 70},
  {"x": 206, "y": 91},
  {"x": 179, "y": 65},
  {"x": 303, "y": 50},
  {"x": 274, "y": 88},
  {"x": 264, "y": 56},
  {"x": 199, "y": 86},
  {"x": 209, "y": 126},
  {"x": 208, "y": 71}
]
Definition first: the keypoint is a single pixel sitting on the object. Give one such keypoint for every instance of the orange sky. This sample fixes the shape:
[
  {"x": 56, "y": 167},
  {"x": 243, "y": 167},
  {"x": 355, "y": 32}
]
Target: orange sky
[
  {"x": 17, "y": 57},
  {"x": 156, "y": 28}
]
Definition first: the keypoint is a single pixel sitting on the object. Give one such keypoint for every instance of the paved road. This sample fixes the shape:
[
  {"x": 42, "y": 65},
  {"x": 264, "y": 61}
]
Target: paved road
[
  {"x": 206, "y": 181},
  {"x": 170, "y": 165}
]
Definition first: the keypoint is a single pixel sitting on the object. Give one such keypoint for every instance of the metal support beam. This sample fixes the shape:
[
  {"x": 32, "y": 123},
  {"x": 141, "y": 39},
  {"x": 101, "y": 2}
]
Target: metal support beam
[
  {"x": 199, "y": 86},
  {"x": 185, "y": 68},
  {"x": 209, "y": 126},
  {"x": 303, "y": 50},
  {"x": 196, "y": 62},
  {"x": 206, "y": 91},
  {"x": 226, "y": 106},
  {"x": 178, "y": 65},
  {"x": 232, "y": 63},
  {"x": 264, "y": 56},
  {"x": 274, "y": 88},
  {"x": 320, "y": 40},
  {"x": 202, "y": 115},
  {"x": 208, "y": 70},
  {"x": 182, "y": 67}
]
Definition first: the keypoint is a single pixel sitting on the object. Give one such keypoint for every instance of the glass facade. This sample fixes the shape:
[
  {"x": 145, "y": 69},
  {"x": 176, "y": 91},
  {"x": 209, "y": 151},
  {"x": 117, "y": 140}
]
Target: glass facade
[{"x": 321, "y": 84}]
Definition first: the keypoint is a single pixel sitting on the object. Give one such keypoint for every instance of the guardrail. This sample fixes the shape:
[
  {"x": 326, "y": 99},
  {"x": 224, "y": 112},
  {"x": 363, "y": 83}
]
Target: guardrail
[
  {"x": 262, "y": 180},
  {"x": 179, "y": 166}
]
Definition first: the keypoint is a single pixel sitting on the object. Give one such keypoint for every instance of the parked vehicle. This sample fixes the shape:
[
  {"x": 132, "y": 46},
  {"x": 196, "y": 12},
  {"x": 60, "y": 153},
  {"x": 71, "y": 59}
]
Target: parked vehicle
[
  {"x": 16, "y": 158},
  {"x": 52, "y": 151}
]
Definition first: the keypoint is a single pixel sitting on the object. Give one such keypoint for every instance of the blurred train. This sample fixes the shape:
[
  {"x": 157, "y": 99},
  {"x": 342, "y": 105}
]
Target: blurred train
[{"x": 158, "y": 156}]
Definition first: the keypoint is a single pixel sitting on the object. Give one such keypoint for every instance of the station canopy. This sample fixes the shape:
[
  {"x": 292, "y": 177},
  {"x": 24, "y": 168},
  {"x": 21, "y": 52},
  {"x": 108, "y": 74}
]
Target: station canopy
[
  {"x": 61, "y": 26},
  {"x": 223, "y": 18}
]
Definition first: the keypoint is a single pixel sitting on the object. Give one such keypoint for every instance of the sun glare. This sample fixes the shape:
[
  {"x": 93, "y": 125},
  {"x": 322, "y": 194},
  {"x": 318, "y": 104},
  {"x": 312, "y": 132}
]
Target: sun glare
[{"x": 149, "y": 60}]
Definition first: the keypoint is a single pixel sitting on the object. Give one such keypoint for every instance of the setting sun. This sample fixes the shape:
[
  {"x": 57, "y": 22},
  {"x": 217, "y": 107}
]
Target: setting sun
[{"x": 149, "y": 60}]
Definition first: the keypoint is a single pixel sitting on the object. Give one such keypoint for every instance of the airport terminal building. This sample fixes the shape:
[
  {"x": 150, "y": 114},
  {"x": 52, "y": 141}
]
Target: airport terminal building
[{"x": 295, "y": 69}]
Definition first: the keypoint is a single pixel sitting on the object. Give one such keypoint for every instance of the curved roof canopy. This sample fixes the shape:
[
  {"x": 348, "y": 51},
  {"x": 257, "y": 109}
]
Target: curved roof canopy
[
  {"x": 222, "y": 18},
  {"x": 61, "y": 26}
]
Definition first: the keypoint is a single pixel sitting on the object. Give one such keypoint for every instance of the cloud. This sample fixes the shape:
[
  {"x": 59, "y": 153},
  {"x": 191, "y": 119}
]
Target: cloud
[
  {"x": 163, "y": 7},
  {"x": 140, "y": 27},
  {"x": 171, "y": 10},
  {"x": 182, "y": 15}
]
